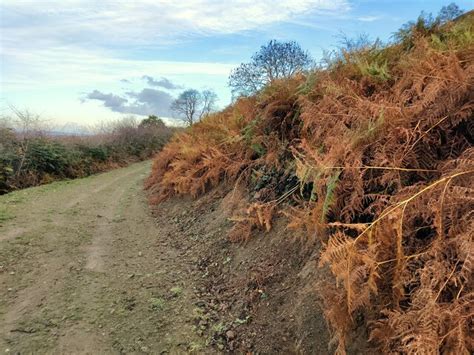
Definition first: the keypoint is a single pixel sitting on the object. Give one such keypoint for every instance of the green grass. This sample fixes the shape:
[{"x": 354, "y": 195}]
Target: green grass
[
  {"x": 5, "y": 215},
  {"x": 176, "y": 291},
  {"x": 157, "y": 303}
]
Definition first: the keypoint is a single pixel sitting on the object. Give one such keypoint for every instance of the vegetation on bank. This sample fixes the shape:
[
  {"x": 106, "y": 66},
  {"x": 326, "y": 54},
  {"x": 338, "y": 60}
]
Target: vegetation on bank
[
  {"x": 30, "y": 157},
  {"x": 373, "y": 155}
]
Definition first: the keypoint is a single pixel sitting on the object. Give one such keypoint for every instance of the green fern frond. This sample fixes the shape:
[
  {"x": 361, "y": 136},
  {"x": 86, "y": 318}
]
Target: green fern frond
[{"x": 329, "y": 199}]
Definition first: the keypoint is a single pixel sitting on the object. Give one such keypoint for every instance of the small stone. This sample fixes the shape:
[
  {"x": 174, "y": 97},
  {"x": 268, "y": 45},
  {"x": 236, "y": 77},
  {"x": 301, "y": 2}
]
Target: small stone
[
  {"x": 140, "y": 253},
  {"x": 220, "y": 346},
  {"x": 10, "y": 289},
  {"x": 200, "y": 303},
  {"x": 12, "y": 272},
  {"x": 230, "y": 334}
]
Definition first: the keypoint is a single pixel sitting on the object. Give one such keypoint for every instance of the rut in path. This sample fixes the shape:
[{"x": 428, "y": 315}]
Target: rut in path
[{"x": 84, "y": 268}]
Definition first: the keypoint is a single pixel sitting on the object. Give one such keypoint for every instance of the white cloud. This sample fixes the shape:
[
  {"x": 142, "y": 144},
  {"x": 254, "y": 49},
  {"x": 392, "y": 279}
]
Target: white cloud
[
  {"x": 369, "y": 18},
  {"x": 75, "y": 41},
  {"x": 149, "y": 21}
]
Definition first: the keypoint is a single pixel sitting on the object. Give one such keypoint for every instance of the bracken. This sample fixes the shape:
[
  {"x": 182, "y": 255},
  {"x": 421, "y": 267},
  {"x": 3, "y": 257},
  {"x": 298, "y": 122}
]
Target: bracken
[{"x": 374, "y": 158}]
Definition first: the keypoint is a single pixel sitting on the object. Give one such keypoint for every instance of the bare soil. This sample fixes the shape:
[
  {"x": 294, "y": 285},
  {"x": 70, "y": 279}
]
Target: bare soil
[{"x": 87, "y": 268}]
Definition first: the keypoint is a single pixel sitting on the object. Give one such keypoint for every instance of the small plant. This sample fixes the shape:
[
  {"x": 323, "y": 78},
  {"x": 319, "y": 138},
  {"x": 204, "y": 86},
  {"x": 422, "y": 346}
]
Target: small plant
[
  {"x": 176, "y": 291},
  {"x": 240, "y": 321},
  {"x": 4, "y": 214},
  {"x": 157, "y": 303},
  {"x": 195, "y": 347},
  {"x": 374, "y": 70},
  {"x": 219, "y": 328}
]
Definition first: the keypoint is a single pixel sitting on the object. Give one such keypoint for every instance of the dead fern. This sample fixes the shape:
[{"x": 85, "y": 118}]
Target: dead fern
[
  {"x": 257, "y": 215},
  {"x": 375, "y": 158}
]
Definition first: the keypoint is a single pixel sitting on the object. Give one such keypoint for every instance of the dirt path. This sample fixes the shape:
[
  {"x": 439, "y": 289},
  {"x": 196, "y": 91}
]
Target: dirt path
[{"x": 84, "y": 268}]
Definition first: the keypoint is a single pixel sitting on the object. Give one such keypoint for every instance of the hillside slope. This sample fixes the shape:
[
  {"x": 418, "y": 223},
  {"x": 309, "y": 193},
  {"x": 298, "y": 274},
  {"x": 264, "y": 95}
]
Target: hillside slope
[{"x": 372, "y": 159}]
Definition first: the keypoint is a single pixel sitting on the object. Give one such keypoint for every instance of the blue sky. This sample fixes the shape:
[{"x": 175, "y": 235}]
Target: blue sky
[{"x": 87, "y": 61}]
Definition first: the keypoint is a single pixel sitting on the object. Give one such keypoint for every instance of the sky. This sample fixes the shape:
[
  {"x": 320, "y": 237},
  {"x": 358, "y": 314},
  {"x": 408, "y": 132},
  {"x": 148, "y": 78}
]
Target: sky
[{"x": 81, "y": 61}]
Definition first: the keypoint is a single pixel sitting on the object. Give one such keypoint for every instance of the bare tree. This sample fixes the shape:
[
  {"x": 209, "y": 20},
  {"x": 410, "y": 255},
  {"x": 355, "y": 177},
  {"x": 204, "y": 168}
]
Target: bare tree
[
  {"x": 209, "y": 99},
  {"x": 274, "y": 60},
  {"x": 27, "y": 125},
  {"x": 25, "y": 122},
  {"x": 192, "y": 105}
]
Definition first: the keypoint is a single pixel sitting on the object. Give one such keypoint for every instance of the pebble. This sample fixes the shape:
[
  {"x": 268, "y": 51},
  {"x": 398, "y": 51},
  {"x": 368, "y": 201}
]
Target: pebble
[{"x": 230, "y": 334}]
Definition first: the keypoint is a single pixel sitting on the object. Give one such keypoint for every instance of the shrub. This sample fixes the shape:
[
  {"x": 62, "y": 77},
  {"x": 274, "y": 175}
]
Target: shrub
[
  {"x": 7, "y": 157},
  {"x": 32, "y": 158}
]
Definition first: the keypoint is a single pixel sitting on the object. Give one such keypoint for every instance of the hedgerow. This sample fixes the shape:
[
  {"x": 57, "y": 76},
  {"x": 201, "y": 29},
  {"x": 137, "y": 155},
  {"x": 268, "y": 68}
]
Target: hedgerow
[{"x": 37, "y": 158}]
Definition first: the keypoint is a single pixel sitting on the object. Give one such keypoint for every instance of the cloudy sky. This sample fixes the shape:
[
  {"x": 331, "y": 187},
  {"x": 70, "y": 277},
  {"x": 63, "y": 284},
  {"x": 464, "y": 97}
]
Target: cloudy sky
[{"x": 87, "y": 61}]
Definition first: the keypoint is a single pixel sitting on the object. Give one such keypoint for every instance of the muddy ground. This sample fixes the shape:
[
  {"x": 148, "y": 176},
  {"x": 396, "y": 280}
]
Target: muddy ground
[{"x": 87, "y": 268}]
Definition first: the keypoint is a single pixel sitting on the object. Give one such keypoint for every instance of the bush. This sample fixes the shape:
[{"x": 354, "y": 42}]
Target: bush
[{"x": 7, "y": 157}]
